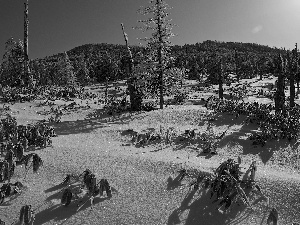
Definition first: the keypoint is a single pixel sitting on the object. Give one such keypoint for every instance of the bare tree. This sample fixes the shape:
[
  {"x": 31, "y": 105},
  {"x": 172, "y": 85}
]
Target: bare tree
[
  {"x": 293, "y": 69},
  {"x": 280, "y": 95},
  {"x": 27, "y": 74},
  {"x": 135, "y": 96}
]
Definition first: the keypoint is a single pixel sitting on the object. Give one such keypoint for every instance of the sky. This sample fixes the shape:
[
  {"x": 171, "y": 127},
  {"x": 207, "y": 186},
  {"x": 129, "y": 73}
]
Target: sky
[{"x": 60, "y": 25}]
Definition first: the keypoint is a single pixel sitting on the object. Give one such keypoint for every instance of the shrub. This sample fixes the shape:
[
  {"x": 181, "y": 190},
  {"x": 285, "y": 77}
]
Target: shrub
[
  {"x": 180, "y": 98},
  {"x": 116, "y": 106},
  {"x": 149, "y": 106}
]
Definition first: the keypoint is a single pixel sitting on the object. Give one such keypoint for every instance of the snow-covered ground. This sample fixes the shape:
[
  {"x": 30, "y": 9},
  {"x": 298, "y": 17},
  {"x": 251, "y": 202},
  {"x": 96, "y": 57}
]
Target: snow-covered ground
[{"x": 144, "y": 190}]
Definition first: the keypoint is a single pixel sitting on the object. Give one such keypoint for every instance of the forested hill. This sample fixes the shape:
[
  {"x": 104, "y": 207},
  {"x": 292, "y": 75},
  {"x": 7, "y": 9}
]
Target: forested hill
[
  {"x": 191, "y": 49},
  {"x": 101, "y": 61},
  {"x": 227, "y": 46}
]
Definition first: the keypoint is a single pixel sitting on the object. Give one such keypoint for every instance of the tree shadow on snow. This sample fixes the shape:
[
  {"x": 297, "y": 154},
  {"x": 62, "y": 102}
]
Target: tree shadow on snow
[
  {"x": 79, "y": 126},
  {"x": 173, "y": 183},
  {"x": 239, "y": 138},
  {"x": 95, "y": 120},
  {"x": 61, "y": 213},
  {"x": 55, "y": 188},
  {"x": 201, "y": 210}
]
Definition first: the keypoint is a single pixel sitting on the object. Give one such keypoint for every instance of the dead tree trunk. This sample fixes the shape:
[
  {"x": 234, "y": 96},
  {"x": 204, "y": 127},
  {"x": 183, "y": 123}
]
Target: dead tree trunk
[
  {"x": 279, "y": 95},
  {"x": 292, "y": 89},
  {"x": 220, "y": 80},
  {"x": 295, "y": 68},
  {"x": 135, "y": 94},
  {"x": 291, "y": 71},
  {"x": 236, "y": 65},
  {"x": 106, "y": 90},
  {"x": 27, "y": 77}
]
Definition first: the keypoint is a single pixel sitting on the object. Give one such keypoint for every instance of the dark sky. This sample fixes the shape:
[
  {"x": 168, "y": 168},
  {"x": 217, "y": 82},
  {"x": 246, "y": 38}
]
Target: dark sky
[{"x": 60, "y": 25}]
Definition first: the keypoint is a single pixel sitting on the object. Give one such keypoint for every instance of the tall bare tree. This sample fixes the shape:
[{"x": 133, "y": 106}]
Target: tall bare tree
[
  {"x": 27, "y": 78},
  {"x": 294, "y": 72},
  {"x": 134, "y": 94},
  {"x": 279, "y": 95},
  {"x": 221, "y": 78}
]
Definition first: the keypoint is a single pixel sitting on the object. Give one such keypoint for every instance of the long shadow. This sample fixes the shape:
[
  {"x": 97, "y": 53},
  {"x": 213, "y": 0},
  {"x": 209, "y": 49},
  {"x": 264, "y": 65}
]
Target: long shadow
[
  {"x": 173, "y": 183},
  {"x": 201, "y": 210},
  {"x": 180, "y": 143},
  {"x": 60, "y": 213},
  {"x": 264, "y": 152},
  {"x": 55, "y": 188},
  {"x": 60, "y": 188},
  {"x": 75, "y": 127},
  {"x": 8, "y": 200},
  {"x": 228, "y": 119},
  {"x": 274, "y": 145},
  {"x": 95, "y": 120}
]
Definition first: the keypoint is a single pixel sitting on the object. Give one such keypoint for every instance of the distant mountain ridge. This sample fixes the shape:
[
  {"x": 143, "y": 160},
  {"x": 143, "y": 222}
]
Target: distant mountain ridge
[
  {"x": 204, "y": 46},
  {"x": 110, "y": 61}
]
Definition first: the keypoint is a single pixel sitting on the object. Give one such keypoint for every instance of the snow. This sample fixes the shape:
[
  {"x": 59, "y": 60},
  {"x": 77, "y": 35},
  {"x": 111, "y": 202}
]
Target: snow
[{"x": 140, "y": 177}]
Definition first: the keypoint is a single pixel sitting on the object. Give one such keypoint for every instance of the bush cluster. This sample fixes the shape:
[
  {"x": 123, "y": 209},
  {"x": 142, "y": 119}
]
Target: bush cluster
[
  {"x": 272, "y": 125},
  {"x": 149, "y": 106},
  {"x": 17, "y": 138},
  {"x": 115, "y": 105},
  {"x": 180, "y": 98}
]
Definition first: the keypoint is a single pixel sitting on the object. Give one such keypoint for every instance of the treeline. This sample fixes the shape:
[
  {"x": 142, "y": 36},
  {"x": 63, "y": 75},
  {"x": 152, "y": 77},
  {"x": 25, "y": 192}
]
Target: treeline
[
  {"x": 243, "y": 59},
  {"x": 91, "y": 62},
  {"x": 101, "y": 62}
]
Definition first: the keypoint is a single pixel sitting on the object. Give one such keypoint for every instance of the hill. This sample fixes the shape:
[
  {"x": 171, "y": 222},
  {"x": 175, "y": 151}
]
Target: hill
[{"x": 110, "y": 61}]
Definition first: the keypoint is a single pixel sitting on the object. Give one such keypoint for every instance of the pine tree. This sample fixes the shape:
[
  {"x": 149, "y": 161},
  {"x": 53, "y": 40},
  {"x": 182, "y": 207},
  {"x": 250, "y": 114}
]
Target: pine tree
[
  {"x": 159, "y": 42},
  {"x": 12, "y": 66},
  {"x": 65, "y": 75},
  {"x": 82, "y": 71},
  {"x": 236, "y": 65}
]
